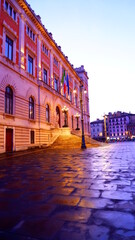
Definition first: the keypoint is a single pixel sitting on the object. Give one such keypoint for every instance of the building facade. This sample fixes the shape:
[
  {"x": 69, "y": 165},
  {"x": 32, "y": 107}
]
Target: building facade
[
  {"x": 97, "y": 130},
  {"x": 118, "y": 125},
  {"x": 34, "y": 103}
]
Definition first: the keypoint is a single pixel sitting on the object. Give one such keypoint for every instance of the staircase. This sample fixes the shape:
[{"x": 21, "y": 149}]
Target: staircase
[{"x": 73, "y": 141}]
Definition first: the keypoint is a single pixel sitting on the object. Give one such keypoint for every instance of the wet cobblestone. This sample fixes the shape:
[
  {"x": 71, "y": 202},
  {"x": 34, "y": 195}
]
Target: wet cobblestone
[{"x": 74, "y": 195}]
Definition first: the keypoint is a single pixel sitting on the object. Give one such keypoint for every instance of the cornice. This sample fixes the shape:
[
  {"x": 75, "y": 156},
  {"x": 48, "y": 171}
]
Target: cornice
[{"x": 37, "y": 21}]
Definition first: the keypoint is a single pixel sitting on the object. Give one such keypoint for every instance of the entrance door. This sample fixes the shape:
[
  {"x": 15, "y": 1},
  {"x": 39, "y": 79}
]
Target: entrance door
[
  {"x": 58, "y": 115},
  {"x": 9, "y": 140}
]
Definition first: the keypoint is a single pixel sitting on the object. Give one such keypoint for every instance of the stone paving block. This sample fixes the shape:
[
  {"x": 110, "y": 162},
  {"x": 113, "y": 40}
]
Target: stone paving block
[
  {"x": 12, "y": 236},
  {"x": 65, "y": 200},
  {"x": 43, "y": 229},
  {"x": 78, "y": 185},
  {"x": 99, "y": 232},
  {"x": 87, "y": 193},
  {"x": 95, "y": 203},
  {"x": 128, "y": 206},
  {"x": 79, "y": 215},
  {"x": 67, "y": 235},
  {"x": 117, "y": 219},
  {"x": 117, "y": 195},
  {"x": 104, "y": 186},
  {"x": 39, "y": 210},
  {"x": 127, "y": 234},
  {"x": 61, "y": 191}
]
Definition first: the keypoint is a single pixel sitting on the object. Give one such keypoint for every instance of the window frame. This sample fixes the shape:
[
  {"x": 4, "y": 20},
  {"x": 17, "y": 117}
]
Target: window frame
[
  {"x": 45, "y": 80},
  {"x": 56, "y": 84},
  {"x": 30, "y": 64},
  {"x": 9, "y": 101},
  {"x": 31, "y": 108},
  {"x": 9, "y": 43}
]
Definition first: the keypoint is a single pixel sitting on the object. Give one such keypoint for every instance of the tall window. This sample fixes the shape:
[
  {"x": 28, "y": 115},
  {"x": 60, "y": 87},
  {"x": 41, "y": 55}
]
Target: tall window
[
  {"x": 30, "y": 64},
  {"x": 47, "y": 113},
  {"x": 9, "y": 48},
  {"x": 45, "y": 76},
  {"x": 56, "y": 84},
  {"x": 9, "y": 100},
  {"x": 31, "y": 108}
]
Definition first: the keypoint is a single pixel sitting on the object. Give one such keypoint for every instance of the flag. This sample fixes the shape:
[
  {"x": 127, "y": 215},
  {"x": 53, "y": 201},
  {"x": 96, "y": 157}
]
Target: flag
[
  {"x": 63, "y": 76},
  {"x": 67, "y": 81},
  {"x": 65, "y": 84}
]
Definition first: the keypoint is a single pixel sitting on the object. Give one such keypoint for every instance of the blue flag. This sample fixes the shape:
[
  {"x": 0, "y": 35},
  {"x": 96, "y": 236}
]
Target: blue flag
[{"x": 67, "y": 81}]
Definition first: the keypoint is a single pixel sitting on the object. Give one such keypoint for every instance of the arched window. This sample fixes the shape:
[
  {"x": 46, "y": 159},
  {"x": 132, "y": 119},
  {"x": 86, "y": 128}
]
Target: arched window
[
  {"x": 47, "y": 113},
  {"x": 31, "y": 108},
  {"x": 9, "y": 100}
]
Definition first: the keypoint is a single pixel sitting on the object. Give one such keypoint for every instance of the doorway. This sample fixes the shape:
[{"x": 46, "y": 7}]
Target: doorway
[
  {"x": 58, "y": 115},
  {"x": 9, "y": 140}
]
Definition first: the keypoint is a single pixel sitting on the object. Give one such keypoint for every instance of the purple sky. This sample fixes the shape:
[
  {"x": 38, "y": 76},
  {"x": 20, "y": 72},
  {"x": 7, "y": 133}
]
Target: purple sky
[{"x": 99, "y": 34}]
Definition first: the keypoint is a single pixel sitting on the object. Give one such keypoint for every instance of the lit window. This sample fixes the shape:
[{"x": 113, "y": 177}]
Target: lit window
[
  {"x": 30, "y": 64},
  {"x": 9, "y": 100},
  {"x": 9, "y": 48},
  {"x": 31, "y": 108}
]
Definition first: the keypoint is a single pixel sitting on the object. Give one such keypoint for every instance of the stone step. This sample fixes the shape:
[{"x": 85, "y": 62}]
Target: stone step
[{"x": 72, "y": 141}]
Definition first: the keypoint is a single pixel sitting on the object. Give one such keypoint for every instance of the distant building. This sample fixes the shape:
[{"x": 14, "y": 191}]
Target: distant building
[
  {"x": 97, "y": 130},
  {"x": 131, "y": 127},
  {"x": 119, "y": 126}
]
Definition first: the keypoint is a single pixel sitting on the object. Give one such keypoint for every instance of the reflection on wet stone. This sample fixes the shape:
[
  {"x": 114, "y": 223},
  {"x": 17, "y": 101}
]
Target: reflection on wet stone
[{"x": 69, "y": 195}]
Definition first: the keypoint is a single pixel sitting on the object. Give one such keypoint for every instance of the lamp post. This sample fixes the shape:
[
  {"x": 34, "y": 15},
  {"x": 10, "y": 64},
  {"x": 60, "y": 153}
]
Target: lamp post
[
  {"x": 83, "y": 146},
  {"x": 77, "y": 118},
  {"x": 105, "y": 117},
  {"x": 65, "y": 110}
]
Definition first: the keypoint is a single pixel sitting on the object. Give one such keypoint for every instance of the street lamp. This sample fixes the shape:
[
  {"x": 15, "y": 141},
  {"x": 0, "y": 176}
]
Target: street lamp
[
  {"x": 77, "y": 118},
  {"x": 83, "y": 146},
  {"x": 65, "y": 110}
]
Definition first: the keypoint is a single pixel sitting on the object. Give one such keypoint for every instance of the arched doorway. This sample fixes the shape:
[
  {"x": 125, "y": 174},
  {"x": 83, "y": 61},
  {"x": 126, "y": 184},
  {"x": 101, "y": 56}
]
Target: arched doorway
[{"x": 58, "y": 116}]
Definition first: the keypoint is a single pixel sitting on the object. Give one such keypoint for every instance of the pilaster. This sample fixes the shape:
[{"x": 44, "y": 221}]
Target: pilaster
[
  {"x": 51, "y": 69},
  {"x": 21, "y": 41},
  {"x": 39, "y": 70}
]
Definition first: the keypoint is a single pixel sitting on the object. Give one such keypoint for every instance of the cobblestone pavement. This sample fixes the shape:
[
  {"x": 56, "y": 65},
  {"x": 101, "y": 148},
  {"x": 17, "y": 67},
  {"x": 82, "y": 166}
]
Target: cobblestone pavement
[{"x": 69, "y": 195}]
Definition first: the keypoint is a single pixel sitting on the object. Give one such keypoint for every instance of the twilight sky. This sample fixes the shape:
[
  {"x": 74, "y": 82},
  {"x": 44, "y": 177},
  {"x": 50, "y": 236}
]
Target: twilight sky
[{"x": 99, "y": 34}]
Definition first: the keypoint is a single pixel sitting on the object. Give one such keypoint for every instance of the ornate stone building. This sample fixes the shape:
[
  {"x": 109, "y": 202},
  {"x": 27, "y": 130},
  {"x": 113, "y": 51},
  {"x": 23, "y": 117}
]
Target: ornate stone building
[{"x": 34, "y": 104}]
